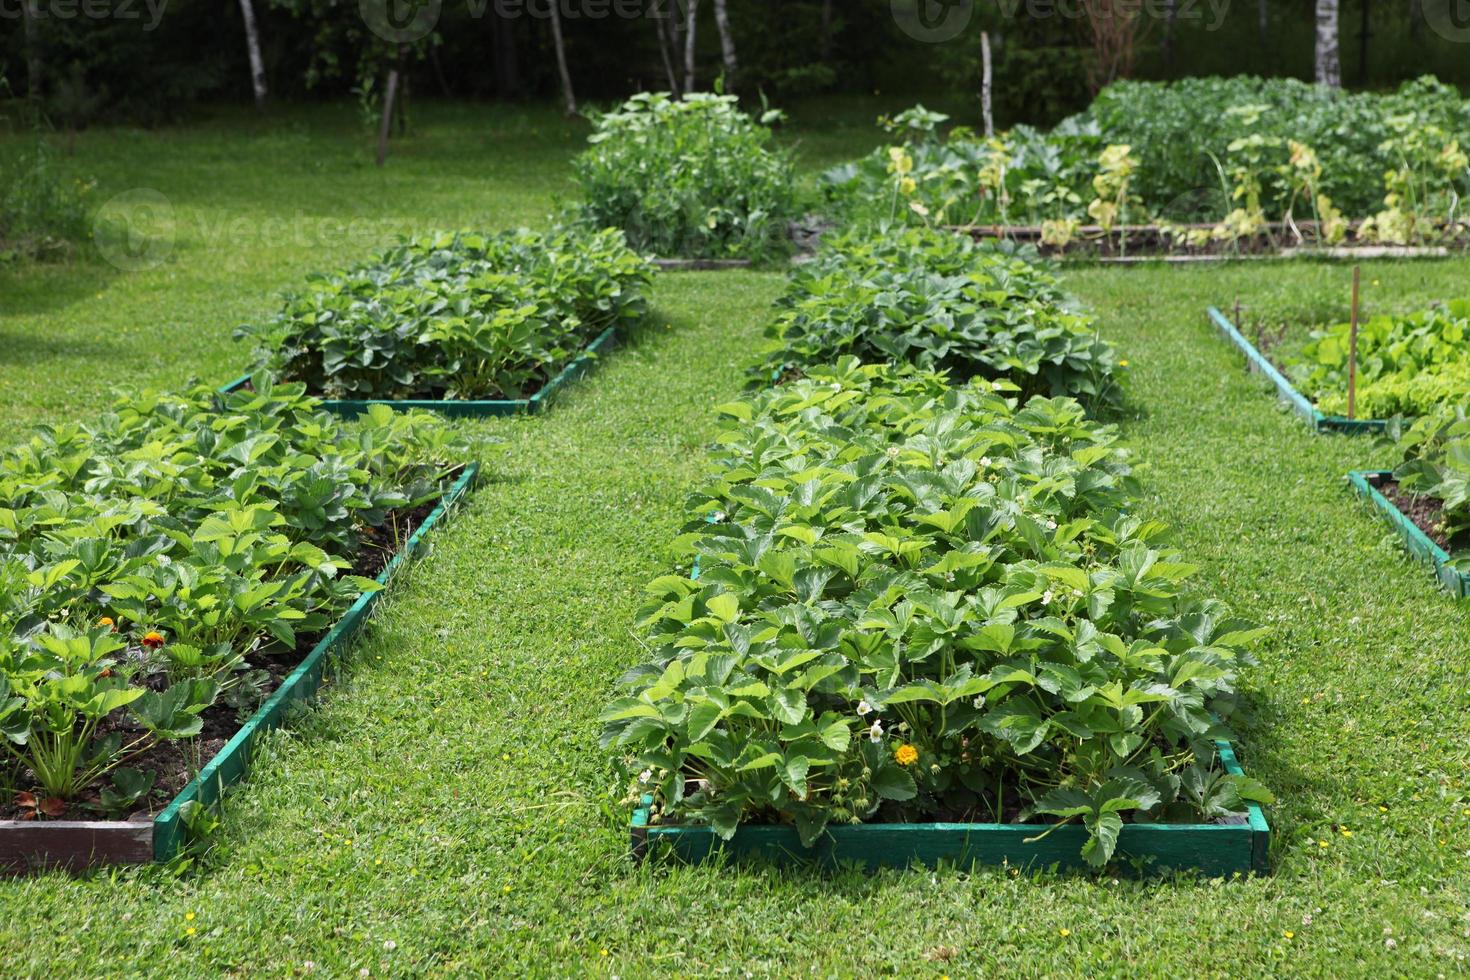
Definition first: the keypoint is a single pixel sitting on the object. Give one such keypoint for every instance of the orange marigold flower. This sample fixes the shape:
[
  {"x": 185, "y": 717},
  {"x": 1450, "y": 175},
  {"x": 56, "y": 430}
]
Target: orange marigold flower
[
  {"x": 153, "y": 639},
  {"x": 106, "y": 621},
  {"x": 906, "y": 755}
]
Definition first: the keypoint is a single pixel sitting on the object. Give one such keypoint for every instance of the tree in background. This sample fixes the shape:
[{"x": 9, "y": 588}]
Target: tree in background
[{"x": 1327, "y": 61}]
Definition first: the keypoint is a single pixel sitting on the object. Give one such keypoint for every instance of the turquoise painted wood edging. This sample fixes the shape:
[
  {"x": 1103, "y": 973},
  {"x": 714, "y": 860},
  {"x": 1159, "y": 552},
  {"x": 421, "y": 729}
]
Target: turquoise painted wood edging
[
  {"x": 473, "y": 409},
  {"x": 233, "y": 761},
  {"x": 1213, "y": 849},
  {"x": 1365, "y": 483},
  {"x": 1287, "y": 391}
]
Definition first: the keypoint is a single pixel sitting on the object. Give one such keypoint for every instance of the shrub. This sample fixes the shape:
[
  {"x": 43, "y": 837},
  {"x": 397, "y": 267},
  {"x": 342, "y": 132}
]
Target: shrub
[
  {"x": 149, "y": 562},
  {"x": 456, "y": 316},
  {"x": 942, "y": 302},
  {"x": 695, "y": 178},
  {"x": 918, "y": 601}
]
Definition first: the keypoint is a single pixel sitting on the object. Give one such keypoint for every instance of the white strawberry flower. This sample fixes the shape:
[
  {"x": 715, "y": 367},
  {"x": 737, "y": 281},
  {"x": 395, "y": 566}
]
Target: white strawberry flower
[
  {"x": 875, "y": 733},
  {"x": 864, "y": 707}
]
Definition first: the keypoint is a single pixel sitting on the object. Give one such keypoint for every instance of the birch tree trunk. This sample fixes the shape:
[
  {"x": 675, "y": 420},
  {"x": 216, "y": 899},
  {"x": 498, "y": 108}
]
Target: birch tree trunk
[
  {"x": 690, "y": 25},
  {"x": 727, "y": 45},
  {"x": 985, "y": 78},
  {"x": 1329, "y": 66},
  {"x": 569, "y": 98},
  {"x": 252, "y": 45},
  {"x": 665, "y": 44},
  {"x": 390, "y": 92}
]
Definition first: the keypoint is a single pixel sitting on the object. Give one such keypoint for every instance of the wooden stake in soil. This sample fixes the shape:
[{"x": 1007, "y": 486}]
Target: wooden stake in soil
[{"x": 1353, "y": 348}]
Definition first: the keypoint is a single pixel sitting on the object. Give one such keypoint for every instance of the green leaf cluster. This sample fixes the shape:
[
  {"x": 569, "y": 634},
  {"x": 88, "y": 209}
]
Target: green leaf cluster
[
  {"x": 692, "y": 178},
  {"x": 148, "y": 557},
  {"x": 942, "y": 302},
  {"x": 917, "y": 599},
  {"x": 458, "y": 315}
]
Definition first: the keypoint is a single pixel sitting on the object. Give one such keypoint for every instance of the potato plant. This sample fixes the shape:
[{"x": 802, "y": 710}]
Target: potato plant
[
  {"x": 149, "y": 558},
  {"x": 939, "y": 301},
  {"x": 456, "y": 316},
  {"x": 692, "y": 178},
  {"x": 918, "y": 601}
]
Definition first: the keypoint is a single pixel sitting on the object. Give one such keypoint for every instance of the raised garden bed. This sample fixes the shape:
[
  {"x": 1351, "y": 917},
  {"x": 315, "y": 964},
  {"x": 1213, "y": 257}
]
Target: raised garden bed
[
  {"x": 1214, "y": 849},
  {"x": 78, "y": 844},
  {"x": 1153, "y": 243},
  {"x": 1258, "y": 363},
  {"x": 533, "y": 405},
  {"x": 1378, "y": 486}
]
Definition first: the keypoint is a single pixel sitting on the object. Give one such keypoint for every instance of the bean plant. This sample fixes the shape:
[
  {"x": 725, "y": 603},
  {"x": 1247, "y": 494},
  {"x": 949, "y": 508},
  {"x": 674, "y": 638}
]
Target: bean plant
[
  {"x": 923, "y": 601},
  {"x": 149, "y": 558},
  {"x": 456, "y": 316},
  {"x": 693, "y": 178}
]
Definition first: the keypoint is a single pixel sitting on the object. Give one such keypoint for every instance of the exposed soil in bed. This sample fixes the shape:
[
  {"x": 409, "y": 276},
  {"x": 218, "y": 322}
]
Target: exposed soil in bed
[
  {"x": 176, "y": 763},
  {"x": 1425, "y": 512}
]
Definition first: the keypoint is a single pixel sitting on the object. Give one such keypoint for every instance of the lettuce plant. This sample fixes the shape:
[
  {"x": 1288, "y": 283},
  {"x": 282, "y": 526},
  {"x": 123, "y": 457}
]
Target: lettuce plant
[
  {"x": 149, "y": 558},
  {"x": 918, "y": 601},
  {"x": 939, "y": 301},
  {"x": 1407, "y": 364},
  {"x": 695, "y": 178},
  {"x": 456, "y": 316}
]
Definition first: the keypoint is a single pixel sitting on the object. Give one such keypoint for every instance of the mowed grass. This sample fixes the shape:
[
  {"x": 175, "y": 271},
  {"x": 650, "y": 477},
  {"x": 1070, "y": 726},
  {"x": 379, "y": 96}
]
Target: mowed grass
[{"x": 446, "y": 809}]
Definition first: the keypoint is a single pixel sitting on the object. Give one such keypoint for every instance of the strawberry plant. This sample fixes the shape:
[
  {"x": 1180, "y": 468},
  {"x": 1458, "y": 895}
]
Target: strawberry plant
[
  {"x": 918, "y": 601},
  {"x": 695, "y": 178},
  {"x": 151, "y": 559},
  {"x": 942, "y": 302},
  {"x": 455, "y": 316}
]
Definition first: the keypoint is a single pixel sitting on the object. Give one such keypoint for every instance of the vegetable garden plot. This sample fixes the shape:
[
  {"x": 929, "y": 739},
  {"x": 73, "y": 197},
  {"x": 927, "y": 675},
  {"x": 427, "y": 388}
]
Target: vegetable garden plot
[
  {"x": 537, "y": 403},
  {"x": 1258, "y": 363},
  {"x": 463, "y": 324},
  {"x": 1370, "y": 485},
  {"x": 922, "y": 620},
  {"x": 1213, "y": 849},
  {"x": 171, "y": 584}
]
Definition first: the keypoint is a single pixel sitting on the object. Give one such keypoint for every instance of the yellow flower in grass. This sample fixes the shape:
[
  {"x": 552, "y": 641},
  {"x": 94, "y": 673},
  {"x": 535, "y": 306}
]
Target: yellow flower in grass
[{"x": 906, "y": 755}]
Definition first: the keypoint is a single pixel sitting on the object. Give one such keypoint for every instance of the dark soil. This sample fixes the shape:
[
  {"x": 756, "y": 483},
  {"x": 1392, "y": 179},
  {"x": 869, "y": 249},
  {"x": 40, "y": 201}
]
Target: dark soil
[
  {"x": 176, "y": 763},
  {"x": 1426, "y": 512}
]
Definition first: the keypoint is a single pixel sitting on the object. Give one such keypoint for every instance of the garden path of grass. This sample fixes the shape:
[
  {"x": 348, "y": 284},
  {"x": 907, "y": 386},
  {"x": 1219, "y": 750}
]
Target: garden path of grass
[{"x": 447, "y": 810}]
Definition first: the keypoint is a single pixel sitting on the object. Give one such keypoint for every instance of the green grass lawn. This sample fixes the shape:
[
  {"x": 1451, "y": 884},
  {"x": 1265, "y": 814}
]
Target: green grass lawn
[{"x": 447, "y": 810}]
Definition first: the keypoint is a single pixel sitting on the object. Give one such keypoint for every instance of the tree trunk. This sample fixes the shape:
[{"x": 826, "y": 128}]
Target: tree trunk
[
  {"x": 390, "y": 91},
  {"x": 985, "y": 93},
  {"x": 664, "y": 44},
  {"x": 252, "y": 46},
  {"x": 1328, "y": 64},
  {"x": 1166, "y": 46},
  {"x": 1263, "y": 26},
  {"x": 727, "y": 45},
  {"x": 33, "y": 50},
  {"x": 826, "y": 31},
  {"x": 569, "y": 98},
  {"x": 1363, "y": 34},
  {"x": 690, "y": 26},
  {"x": 507, "y": 73}
]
